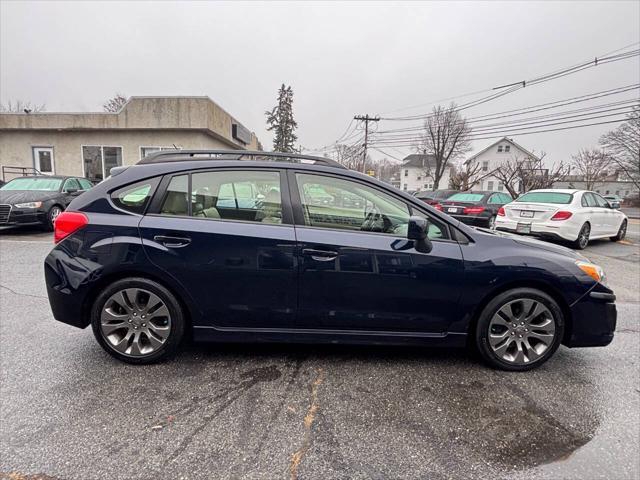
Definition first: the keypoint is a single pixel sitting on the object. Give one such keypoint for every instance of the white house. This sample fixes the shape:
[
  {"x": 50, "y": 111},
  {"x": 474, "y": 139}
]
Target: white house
[
  {"x": 494, "y": 156},
  {"x": 614, "y": 183},
  {"x": 416, "y": 173}
]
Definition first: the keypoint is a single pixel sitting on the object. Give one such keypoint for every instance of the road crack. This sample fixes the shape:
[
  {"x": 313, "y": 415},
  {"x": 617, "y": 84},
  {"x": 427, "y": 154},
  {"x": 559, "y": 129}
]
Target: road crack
[
  {"x": 309, "y": 418},
  {"x": 22, "y": 294}
]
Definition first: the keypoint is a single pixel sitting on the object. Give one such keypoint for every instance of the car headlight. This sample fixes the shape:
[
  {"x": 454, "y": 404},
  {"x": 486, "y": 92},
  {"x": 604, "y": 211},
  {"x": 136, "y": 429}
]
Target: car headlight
[
  {"x": 29, "y": 205},
  {"x": 594, "y": 271}
]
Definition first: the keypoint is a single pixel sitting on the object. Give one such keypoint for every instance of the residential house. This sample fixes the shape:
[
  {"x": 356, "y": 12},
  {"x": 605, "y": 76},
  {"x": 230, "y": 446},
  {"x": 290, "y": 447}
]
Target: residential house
[
  {"x": 614, "y": 183},
  {"x": 493, "y": 157},
  {"x": 416, "y": 173}
]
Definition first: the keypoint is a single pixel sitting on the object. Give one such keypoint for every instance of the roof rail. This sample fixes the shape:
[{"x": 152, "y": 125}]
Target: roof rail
[{"x": 180, "y": 155}]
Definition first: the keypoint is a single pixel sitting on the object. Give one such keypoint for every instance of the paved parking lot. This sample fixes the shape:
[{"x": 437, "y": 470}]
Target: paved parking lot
[{"x": 68, "y": 410}]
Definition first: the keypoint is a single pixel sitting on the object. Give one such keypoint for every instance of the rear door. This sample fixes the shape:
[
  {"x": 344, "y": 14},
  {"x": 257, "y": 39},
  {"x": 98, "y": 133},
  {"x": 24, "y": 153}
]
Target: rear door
[
  {"x": 609, "y": 218},
  {"x": 227, "y": 236},
  {"x": 357, "y": 270}
]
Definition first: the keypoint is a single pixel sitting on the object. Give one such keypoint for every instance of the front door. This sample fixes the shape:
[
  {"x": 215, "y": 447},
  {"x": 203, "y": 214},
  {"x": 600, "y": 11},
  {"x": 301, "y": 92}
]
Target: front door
[
  {"x": 357, "y": 270},
  {"x": 43, "y": 160},
  {"x": 225, "y": 235}
]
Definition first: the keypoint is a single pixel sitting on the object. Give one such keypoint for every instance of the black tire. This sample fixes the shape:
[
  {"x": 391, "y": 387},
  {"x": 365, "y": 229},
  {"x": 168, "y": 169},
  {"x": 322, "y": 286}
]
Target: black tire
[
  {"x": 484, "y": 323},
  {"x": 582, "y": 241},
  {"x": 177, "y": 320},
  {"x": 52, "y": 214},
  {"x": 491, "y": 223},
  {"x": 622, "y": 232}
]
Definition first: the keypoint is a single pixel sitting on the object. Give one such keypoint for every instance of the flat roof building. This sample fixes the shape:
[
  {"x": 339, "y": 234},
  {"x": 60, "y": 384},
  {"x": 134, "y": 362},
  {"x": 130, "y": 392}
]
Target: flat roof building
[{"x": 90, "y": 144}]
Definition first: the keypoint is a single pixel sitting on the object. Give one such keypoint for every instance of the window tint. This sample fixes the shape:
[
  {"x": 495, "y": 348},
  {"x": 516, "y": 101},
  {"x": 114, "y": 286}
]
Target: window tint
[
  {"x": 85, "y": 184},
  {"x": 175, "y": 198},
  {"x": 600, "y": 202},
  {"x": 71, "y": 183},
  {"x": 546, "y": 197},
  {"x": 588, "y": 200},
  {"x": 330, "y": 202},
  {"x": 496, "y": 198},
  {"x": 134, "y": 198}
]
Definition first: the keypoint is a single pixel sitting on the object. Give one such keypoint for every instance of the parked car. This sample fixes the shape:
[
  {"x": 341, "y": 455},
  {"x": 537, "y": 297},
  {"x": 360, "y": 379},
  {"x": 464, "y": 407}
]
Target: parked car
[
  {"x": 38, "y": 200},
  {"x": 475, "y": 208},
  {"x": 576, "y": 216},
  {"x": 433, "y": 197},
  {"x": 614, "y": 200},
  {"x": 146, "y": 262}
]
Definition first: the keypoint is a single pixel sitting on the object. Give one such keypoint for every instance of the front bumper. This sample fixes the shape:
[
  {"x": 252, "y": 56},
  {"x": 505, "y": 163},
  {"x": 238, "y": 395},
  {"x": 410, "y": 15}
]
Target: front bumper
[
  {"x": 22, "y": 217},
  {"x": 551, "y": 230},
  {"x": 594, "y": 319}
]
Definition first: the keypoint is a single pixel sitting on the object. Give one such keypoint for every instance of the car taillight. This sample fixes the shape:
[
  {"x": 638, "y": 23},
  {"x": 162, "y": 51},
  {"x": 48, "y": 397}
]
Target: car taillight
[
  {"x": 67, "y": 223},
  {"x": 501, "y": 212},
  {"x": 437, "y": 206},
  {"x": 473, "y": 210},
  {"x": 561, "y": 215}
]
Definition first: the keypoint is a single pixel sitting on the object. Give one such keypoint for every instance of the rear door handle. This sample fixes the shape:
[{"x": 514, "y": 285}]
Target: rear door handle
[
  {"x": 320, "y": 255},
  {"x": 172, "y": 242}
]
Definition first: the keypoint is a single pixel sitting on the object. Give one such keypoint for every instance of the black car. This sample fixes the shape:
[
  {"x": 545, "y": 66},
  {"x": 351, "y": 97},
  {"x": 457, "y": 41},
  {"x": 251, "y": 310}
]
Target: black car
[
  {"x": 433, "y": 197},
  {"x": 475, "y": 208},
  {"x": 233, "y": 246},
  {"x": 38, "y": 200}
]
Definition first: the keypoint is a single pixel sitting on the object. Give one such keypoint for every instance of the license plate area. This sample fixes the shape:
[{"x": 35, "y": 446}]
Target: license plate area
[
  {"x": 523, "y": 227},
  {"x": 452, "y": 210},
  {"x": 526, "y": 213}
]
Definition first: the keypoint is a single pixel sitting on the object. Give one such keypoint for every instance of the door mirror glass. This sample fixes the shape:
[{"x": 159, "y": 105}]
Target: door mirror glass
[
  {"x": 72, "y": 190},
  {"x": 417, "y": 231}
]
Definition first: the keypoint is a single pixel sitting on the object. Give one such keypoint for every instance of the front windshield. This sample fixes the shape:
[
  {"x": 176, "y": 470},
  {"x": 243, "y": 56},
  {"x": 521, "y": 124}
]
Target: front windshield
[{"x": 30, "y": 183}]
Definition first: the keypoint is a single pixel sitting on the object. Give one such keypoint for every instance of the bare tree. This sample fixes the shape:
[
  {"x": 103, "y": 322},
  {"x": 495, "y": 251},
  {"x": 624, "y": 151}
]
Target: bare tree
[
  {"x": 349, "y": 156},
  {"x": 623, "y": 144},
  {"x": 521, "y": 174},
  {"x": 21, "y": 106},
  {"x": 592, "y": 165},
  {"x": 114, "y": 104},
  {"x": 467, "y": 176},
  {"x": 446, "y": 137}
]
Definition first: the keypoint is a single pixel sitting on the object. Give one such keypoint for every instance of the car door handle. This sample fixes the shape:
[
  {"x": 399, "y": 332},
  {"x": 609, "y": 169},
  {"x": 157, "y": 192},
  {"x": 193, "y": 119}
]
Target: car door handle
[
  {"x": 172, "y": 242},
  {"x": 320, "y": 255}
]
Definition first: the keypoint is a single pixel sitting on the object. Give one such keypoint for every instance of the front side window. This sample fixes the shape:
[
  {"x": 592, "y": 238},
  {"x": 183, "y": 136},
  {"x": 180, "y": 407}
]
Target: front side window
[
  {"x": 601, "y": 202},
  {"x": 135, "y": 197},
  {"x": 330, "y": 202},
  {"x": 99, "y": 160},
  {"x": 85, "y": 184},
  {"x": 71, "y": 184}
]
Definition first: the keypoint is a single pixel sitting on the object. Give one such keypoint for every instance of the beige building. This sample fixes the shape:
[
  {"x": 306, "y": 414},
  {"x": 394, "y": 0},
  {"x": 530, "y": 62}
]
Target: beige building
[{"x": 90, "y": 144}]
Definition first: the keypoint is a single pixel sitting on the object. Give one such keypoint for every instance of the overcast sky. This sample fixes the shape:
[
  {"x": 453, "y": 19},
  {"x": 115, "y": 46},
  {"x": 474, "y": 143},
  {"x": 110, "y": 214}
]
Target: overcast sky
[{"x": 340, "y": 58}]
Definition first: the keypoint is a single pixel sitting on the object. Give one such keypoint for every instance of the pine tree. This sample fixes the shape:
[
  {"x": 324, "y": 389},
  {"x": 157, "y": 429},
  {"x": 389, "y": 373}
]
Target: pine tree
[{"x": 280, "y": 119}]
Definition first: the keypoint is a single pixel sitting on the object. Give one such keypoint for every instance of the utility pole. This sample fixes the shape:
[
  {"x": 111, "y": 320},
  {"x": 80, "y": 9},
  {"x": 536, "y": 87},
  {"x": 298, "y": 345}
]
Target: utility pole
[{"x": 366, "y": 119}]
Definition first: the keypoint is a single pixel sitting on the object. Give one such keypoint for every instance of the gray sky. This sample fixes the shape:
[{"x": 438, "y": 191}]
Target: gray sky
[{"x": 340, "y": 58}]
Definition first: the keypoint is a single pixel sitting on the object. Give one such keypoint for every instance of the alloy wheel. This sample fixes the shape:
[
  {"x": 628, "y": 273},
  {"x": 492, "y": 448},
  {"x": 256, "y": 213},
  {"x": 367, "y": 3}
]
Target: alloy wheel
[
  {"x": 492, "y": 223},
  {"x": 54, "y": 213},
  {"x": 623, "y": 230},
  {"x": 583, "y": 236},
  {"x": 521, "y": 331},
  {"x": 135, "y": 322}
]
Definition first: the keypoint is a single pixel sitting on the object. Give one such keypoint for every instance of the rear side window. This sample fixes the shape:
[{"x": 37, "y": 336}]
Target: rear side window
[
  {"x": 496, "y": 198},
  {"x": 546, "y": 197},
  {"x": 135, "y": 197}
]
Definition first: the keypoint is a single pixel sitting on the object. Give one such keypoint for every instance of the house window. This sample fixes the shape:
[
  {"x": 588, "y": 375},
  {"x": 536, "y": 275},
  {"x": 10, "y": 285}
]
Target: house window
[
  {"x": 618, "y": 192},
  {"x": 500, "y": 187},
  {"x": 490, "y": 185},
  {"x": 146, "y": 151},
  {"x": 485, "y": 166},
  {"x": 507, "y": 148},
  {"x": 419, "y": 178},
  {"x": 404, "y": 187},
  {"x": 500, "y": 149},
  {"x": 99, "y": 160},
  {"x": 606, "y": 192},
  {"x": 43, "y": 160},
  {"x": 626, "y": 193},
  {"x": 406, "y": 173}
]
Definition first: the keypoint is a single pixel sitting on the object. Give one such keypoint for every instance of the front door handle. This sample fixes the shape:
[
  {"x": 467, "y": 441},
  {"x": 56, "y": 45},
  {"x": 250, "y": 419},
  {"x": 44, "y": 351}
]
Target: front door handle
[
  {"x": 320, "y": 255},
  {"x": 172, "y": 242}
]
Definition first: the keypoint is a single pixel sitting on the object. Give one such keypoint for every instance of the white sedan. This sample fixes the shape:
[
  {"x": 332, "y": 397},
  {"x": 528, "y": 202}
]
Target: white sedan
[{"x": 572, "y": 215}]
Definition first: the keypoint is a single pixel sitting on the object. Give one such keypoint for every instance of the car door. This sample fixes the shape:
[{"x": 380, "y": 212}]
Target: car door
[
  {"x": 608, "y": 215},
  {"x": 357, "y": 270},
  {"x": 70, "y": 190},
  {"x": 591, "y": 213},
  {"x": 234, "y": 254}
]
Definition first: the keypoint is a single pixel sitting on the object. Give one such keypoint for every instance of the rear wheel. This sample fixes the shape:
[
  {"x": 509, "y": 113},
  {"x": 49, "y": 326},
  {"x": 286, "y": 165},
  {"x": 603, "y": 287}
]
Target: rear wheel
[
  {"x": 519, "y": 330},
  {"x": 583, "y": 237},
  {"x": 491, "y": 223},
  {"x": 138, "y": 321},
  {"x": 622, "y": 232}
]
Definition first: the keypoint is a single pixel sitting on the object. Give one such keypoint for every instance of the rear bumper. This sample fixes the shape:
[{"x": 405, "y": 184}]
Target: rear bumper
[
  {"x": 552, "y": 230},
  {"x": 473, "y": 220},
  {"x": 594, "y": 319}
]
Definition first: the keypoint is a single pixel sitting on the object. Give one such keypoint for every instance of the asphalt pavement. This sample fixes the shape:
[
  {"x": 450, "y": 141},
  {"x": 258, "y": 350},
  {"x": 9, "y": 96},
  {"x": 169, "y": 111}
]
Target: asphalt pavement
[{"x": 70, "y": 411}]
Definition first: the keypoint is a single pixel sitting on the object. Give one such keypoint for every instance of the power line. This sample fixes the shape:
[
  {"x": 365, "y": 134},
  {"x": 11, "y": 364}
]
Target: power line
[{"x": 366, "y": 120}]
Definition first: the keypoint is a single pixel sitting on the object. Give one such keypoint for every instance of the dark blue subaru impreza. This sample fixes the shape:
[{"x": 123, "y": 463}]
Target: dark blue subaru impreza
[{"x": 254, "y": 246}]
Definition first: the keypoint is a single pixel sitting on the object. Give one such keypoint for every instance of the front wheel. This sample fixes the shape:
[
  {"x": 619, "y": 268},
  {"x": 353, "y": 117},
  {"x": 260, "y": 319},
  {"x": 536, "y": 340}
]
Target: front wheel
[
  {"x": 138, "y": 321},
  {"x": 622, "y": 232},
  {"x": 583, "y": 237},
  {"x": 52, "y": 214},
  {"x": 519, "y": 330}
]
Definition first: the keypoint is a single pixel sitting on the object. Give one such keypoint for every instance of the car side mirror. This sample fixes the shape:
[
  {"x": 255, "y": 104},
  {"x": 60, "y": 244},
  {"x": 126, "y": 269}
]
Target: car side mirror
[
  {"x": 417, "y": 231},
  {"x": 71, "y": 190}
]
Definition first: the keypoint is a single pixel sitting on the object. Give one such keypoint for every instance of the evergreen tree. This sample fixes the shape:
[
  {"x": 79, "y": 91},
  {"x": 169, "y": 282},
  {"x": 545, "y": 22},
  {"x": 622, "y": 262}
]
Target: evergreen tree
[{"x": 280, "y": 119}]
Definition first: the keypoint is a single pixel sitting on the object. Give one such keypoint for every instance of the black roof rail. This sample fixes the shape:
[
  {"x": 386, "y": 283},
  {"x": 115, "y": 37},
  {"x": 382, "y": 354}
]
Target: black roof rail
[{"x": 181, "y": 155}]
